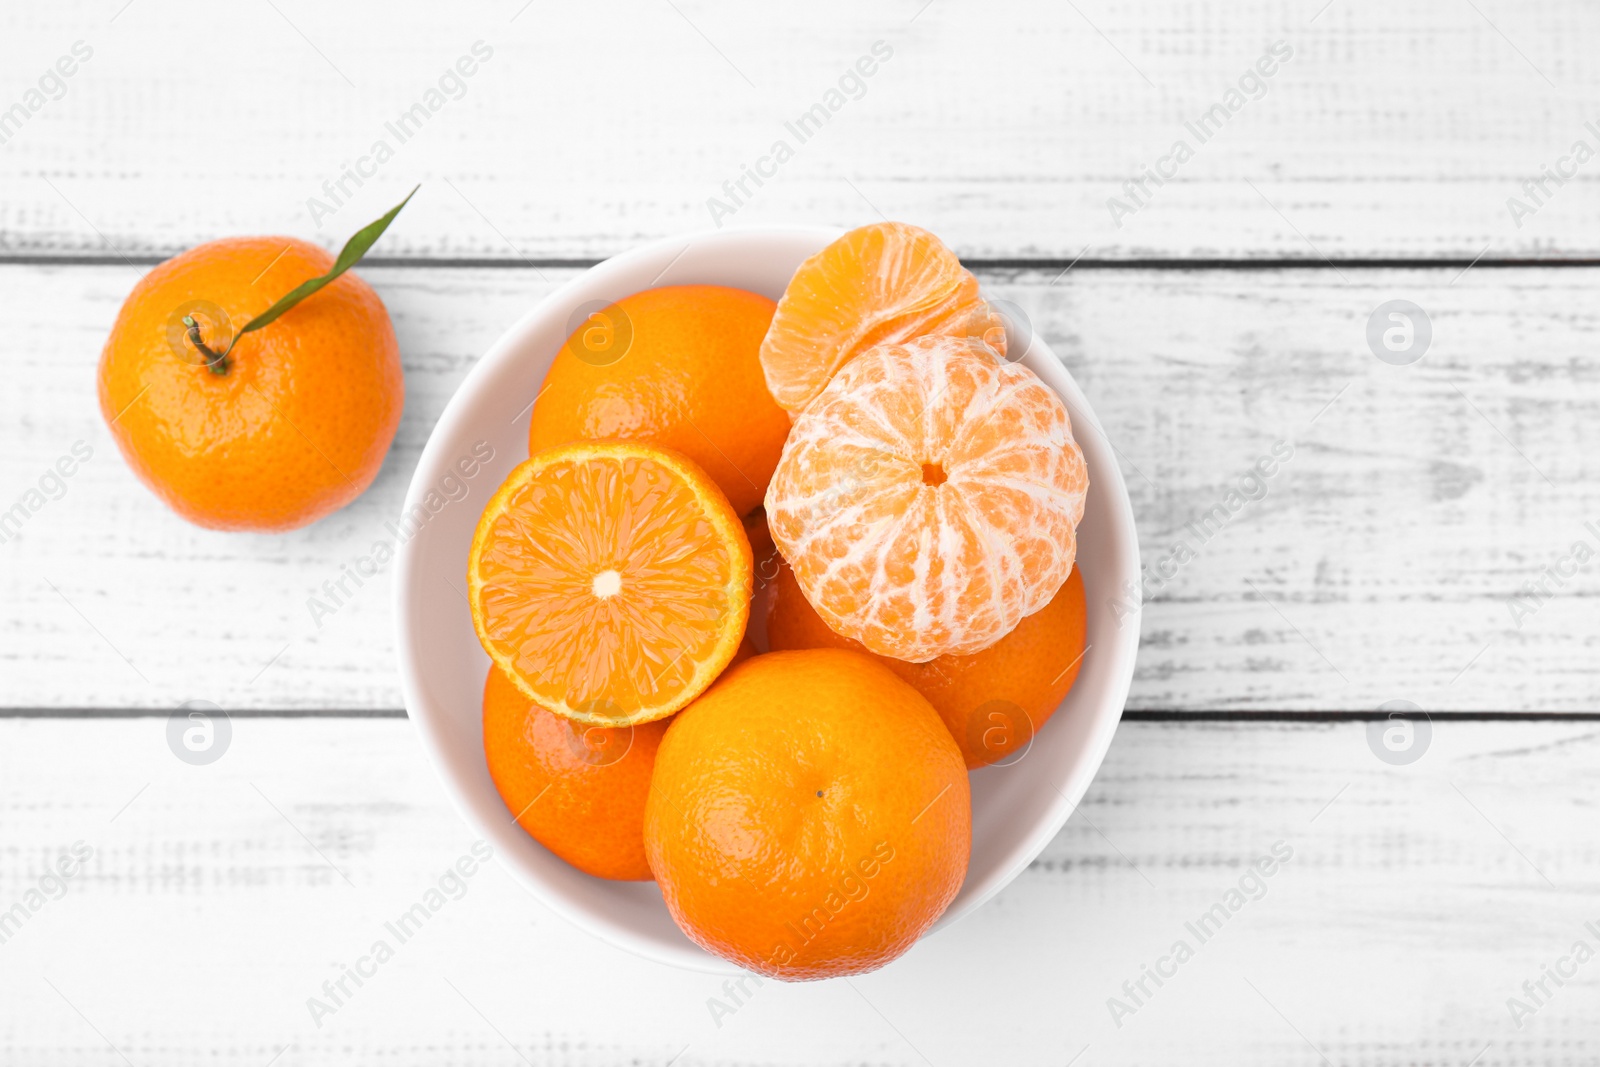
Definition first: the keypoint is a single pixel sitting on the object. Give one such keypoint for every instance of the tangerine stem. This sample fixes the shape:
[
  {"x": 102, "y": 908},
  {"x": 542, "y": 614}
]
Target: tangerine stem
[{"x": 216, "y": 362}]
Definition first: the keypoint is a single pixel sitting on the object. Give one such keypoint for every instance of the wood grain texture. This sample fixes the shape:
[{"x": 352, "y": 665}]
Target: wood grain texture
[
  {"x": 217, "y": 902},
  {"x": 1388, "y": 557},
  {"x": 1395, "y": 130},
  {"x": 1381, "y": 563}
]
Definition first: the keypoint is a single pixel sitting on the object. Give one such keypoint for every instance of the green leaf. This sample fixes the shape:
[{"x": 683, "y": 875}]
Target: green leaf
[{"x": 349, "y": 256}]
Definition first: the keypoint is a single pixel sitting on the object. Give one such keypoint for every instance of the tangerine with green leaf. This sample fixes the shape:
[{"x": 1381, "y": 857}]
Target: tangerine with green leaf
[{"x": 249, "y": 391}]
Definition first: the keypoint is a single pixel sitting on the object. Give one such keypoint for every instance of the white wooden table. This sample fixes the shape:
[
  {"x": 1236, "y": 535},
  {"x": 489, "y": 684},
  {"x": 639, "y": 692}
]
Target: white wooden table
[{"x": 1390, "y": 559}]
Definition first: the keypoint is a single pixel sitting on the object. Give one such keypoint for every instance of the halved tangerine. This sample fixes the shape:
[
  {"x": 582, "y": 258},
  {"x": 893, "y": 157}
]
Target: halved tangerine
[
  {"x": 880, "y": 284},
  {"x": 610, "y": 581}
]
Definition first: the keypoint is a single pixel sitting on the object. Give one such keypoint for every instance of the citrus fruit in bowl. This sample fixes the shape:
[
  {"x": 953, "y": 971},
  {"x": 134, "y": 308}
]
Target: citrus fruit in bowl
[
  {"x": 677, "y": 366},
  {"x": 610, "y": 580},
  {"x": 808, "y": 816},
  {"x": 1016, "y": 805}
]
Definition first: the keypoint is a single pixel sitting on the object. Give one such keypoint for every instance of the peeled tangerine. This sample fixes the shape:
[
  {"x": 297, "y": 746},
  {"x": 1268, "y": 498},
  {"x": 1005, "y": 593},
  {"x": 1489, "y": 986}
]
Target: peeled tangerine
[
  {"x": 928, "y": 499},
  {"x": 879, "y": 284}
]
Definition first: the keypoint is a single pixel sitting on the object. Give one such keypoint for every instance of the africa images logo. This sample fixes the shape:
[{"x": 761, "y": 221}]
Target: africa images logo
[{"x": 199, "y": 733}]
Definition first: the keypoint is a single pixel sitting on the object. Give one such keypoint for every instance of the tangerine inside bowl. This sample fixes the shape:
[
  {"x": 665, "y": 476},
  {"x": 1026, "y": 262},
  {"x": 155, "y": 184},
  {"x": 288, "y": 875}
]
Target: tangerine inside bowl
[{"x": 1016, "y": 808}]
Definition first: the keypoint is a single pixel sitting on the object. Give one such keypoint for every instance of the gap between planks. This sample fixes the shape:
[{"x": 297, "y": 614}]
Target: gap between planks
[
  {"x": 1144, "y": 715},
  {"x": 1019, "y": 263}
]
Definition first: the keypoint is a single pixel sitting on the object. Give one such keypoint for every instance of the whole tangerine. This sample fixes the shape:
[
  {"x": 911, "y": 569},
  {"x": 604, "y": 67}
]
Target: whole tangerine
[
  {"x": 993, "y": 702},
  {"x": 809, "y": 816},
  {"x": 578, "y": 790},
  {"x": 678, "y": 366},
  {"x": 292, "y": 425}
]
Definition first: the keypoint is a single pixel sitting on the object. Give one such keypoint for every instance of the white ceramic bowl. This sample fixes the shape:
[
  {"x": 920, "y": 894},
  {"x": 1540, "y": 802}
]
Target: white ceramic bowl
[{"x": 1016, "y": 809}]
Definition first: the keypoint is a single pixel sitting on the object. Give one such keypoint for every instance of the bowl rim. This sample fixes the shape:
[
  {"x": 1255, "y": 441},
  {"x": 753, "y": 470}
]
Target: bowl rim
[{"x": 433, "y": 728}]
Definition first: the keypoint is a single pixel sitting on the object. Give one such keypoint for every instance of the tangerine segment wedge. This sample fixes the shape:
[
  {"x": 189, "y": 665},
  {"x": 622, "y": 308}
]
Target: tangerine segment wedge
[
  {"x": 928, "y": 500},
  {"x": 880, "y": 284},
  {"x": 610, "y": 581}
]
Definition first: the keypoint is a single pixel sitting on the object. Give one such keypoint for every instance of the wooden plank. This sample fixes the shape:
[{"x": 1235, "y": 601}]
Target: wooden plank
[
  {"x": 1383, "y": 561},
  {"x": 1415, "y": 901},
  {"x": 1399, "y": 130}
]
